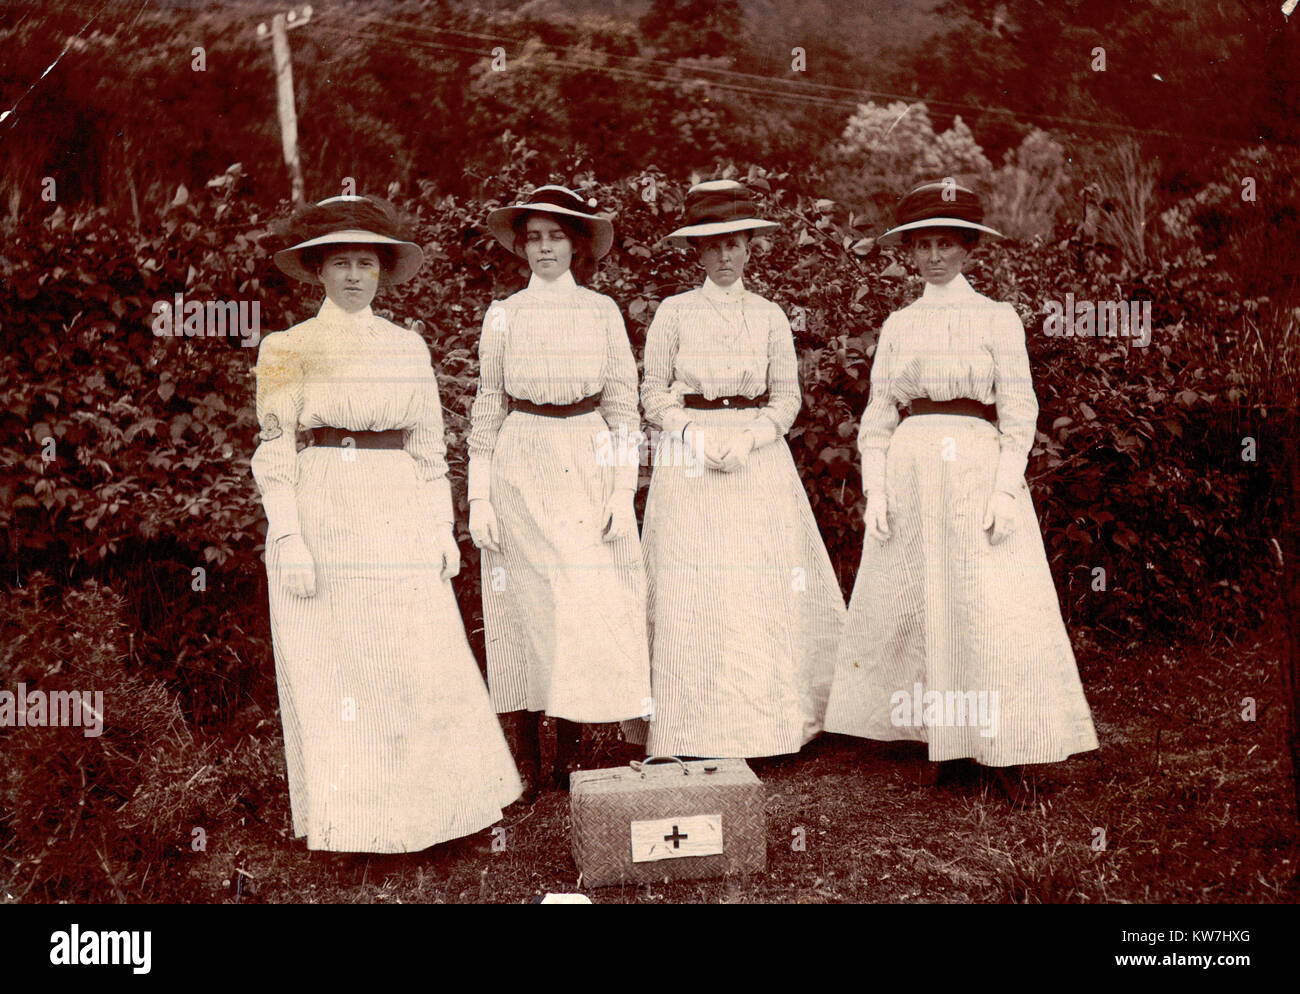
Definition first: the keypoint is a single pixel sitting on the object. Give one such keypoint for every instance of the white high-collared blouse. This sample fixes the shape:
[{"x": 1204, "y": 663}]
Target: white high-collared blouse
[
  {"x": 352, "y": 371},
  {"x": 554, "y": 342},
  {"x": 721, "y": 343},
  {"x": 951, "y": 343}
]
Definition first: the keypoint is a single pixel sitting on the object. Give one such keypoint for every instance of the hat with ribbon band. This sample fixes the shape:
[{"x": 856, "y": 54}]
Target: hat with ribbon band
[
  {"x": 556, "y": 200},
  {"x": 718, "y": 207},
  {"x": 937, "y": 205},
  {"x": 350, "y": 220}
]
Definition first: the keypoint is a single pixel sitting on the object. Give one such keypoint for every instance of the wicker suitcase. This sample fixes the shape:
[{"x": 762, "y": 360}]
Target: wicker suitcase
[{"x": 653, "y": 821}]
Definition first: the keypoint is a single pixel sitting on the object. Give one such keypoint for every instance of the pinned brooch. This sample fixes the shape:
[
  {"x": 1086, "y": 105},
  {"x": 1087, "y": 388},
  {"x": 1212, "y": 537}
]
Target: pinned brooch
[{"x": 271, "y": 429}]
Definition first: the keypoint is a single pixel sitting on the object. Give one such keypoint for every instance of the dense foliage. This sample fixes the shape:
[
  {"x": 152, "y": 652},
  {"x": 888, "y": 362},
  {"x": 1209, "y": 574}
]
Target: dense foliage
[
  {"x": 1138, "y": 468},
  {"x": 140, "y": 158},
  {"x": 110, "y": 99}
]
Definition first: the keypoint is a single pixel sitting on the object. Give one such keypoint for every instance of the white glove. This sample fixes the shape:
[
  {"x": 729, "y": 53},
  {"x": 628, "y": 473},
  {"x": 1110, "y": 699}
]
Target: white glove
[
  {"x": 737, "y": 452},
  {"x": 708, "y": 444},
  {"x": 618, "y": 520},
  {"x": 877, "y": 518},
  {"x": 448, "y": 550},
  {"x": 483, "y": 527},
  {"x": 1000, "y": 516},
  {"x": 297, "y": 570}
]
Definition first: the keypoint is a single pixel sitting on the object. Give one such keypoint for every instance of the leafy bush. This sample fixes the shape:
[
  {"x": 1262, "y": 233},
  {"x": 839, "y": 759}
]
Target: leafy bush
[
  {"x": 1137, "y": 467},
  {"x": 1028, "y": 193},
  {"x": 885, "y": 151}
]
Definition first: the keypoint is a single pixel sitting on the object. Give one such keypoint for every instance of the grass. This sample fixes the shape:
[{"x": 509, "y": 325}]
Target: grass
[{"x": 1193, "y": 802}]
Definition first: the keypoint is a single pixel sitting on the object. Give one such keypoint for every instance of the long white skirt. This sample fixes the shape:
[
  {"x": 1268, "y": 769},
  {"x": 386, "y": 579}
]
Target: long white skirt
[
  {"x": 390, "y": 739},
  {"x": 951, "y": 640},
  {"x": 745, "y": 610},
  {"x": 563, "y": 610}
]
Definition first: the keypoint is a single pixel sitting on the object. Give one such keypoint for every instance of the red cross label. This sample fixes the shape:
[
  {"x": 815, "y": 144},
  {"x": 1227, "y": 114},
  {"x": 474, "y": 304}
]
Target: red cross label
[{"x": 673, "y": 838}]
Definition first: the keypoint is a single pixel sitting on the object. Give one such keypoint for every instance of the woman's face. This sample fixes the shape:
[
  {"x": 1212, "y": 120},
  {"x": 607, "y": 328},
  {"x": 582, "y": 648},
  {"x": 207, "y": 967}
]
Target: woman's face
[
  {"x": 724, "y": 256},
  {"x": 351, "y": 277},
  {"x": 938, "y": 254},
  {"x": 547, "y": 247}
]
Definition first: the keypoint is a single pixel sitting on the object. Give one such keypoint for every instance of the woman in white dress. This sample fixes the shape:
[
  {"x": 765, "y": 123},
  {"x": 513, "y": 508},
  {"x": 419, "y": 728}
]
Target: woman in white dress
[
  {"x": 745, "y": 610},
  {"x": 552, "y": 477},
  {"x": 954, "y": 635},
  {"x": 390, "y": 740}
]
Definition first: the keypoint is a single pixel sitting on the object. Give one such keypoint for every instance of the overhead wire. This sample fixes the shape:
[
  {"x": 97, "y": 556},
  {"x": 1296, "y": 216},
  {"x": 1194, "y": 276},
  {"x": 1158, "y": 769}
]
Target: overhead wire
[
  {"x": 856, "y": 98},
  {"x": 732, "y": 81}
]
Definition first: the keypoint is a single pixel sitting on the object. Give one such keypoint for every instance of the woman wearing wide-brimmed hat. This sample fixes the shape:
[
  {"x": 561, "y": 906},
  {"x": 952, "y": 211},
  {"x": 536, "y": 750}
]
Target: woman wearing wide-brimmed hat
[
  {"x": 954, "y": 635},
  {"x": 744, "y": 606},
  {"x": 390, "y": 740},
  {"x": 552, "y": 475}
]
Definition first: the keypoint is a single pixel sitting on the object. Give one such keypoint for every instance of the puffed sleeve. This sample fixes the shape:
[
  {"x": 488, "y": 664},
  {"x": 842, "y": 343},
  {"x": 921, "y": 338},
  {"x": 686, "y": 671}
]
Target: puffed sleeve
[
  {"x": 881, "y": 416},
  {"x": 784, "y": 398},
  {"x": 618, "y": 395},
  {"x": 275, "y": 462},
  {"x": 426, "y": 442},
  {"x": 489, "y": 410},
  {"x": 1015, "y": 399},
  {"x": 662, "y": 406}
]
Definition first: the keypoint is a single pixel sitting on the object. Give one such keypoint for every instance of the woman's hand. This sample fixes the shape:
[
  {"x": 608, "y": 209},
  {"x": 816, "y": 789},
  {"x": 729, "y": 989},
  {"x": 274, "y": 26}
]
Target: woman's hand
[
  {"x": 1000, "y": 516},
  {"x": 702, "y": 442},
  {"x": 297, "y": 570},
  {"x": 710, "y": 446},
  {"x": 741, "y": 444},
  {"x": 483, "y": 527},
  {"x": 619, "y": 517},
  {"x": 877, "y": 518},
  {"x": 449, "y": 551}
]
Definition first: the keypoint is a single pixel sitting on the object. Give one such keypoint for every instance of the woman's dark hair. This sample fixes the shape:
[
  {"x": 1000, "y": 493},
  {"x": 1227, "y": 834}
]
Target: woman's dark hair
[
  {"x": 313, "y": 258},
  {"x": 966, "y": 236},
  {"x": 369, "y": 214},
  {"x": 583, "y": 263}
]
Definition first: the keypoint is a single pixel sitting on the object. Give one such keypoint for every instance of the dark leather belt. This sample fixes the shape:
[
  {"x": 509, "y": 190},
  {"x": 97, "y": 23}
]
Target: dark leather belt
[
  {"x": 698, "y": 402},
  {"x": 392, "y": 438},
  {"x": 964, "y": 406},
  {"x": 584, "y": 406}
]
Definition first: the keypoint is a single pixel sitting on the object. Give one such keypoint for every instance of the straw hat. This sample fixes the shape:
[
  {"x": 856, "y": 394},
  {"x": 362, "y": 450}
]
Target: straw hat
[
  {"x": 937, "y": 205},
  {"x": 556, "y": 200},
  {"x": 349, "y": 220},
  {"x": 718, "y": 207}
]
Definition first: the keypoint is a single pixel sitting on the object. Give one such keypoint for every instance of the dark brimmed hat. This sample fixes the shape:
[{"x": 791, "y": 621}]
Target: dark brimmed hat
[
  {"x": 937, "y": 205},
  {"x": 718, "y": 207},
  {"x": 560, "y": 201},
  {"x": 349, "y": 220}
]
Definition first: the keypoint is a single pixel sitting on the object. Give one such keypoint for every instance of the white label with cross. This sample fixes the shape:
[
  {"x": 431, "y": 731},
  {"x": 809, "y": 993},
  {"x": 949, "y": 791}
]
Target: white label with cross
[{"x": 670, "y": 838}]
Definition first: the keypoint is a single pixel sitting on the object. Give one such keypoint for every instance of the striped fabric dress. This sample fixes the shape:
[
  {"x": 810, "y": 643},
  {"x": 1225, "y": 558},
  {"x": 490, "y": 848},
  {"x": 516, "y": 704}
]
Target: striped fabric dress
[
  {"x": 951, "y": 640},
  {"x": 745, "y": 610},
  {"x": 563, "y": 610},
  {"x": 390, "y": 740}
]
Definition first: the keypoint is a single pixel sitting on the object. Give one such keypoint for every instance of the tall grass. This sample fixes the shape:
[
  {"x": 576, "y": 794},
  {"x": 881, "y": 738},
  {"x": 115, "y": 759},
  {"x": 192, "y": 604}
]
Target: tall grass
[{"x": 1130, "y": 187}]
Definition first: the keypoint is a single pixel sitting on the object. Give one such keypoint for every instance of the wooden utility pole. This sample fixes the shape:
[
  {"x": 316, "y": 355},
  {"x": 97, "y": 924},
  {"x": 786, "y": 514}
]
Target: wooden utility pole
[{"x": 278, "y": 32}]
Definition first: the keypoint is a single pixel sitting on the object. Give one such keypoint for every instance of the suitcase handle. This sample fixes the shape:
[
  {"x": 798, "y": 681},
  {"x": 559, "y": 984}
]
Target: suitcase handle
[{"x": 640, "y": 764}]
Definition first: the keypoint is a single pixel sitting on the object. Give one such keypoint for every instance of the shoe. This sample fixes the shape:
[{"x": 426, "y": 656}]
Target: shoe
[
  {"x": 932, "y": 774},
  {"x": 927, "y": 774},
  {"x": 1009, "y": 781},
  {"x": 528, "y": 777}
]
